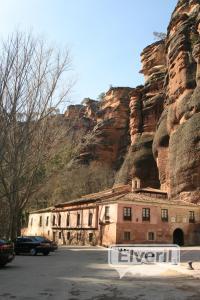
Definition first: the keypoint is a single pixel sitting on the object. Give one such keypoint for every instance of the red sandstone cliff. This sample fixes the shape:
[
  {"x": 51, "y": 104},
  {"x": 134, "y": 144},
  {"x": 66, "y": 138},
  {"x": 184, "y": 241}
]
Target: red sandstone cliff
[
  {"x": 107, "y": 137},
  {"x": 152, "y": 132},
  {"x": 177, "y": 140},
  {"x": 146, "y": 106}
]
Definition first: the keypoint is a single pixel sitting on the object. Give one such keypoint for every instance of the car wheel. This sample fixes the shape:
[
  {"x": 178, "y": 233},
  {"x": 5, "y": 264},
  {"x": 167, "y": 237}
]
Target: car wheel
[
  {"x": 46, "y": 253},
  {"x": 33, "y": 252}
]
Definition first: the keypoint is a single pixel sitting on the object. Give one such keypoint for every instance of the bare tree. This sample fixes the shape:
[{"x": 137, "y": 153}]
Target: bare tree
[{"x": 31, "y": 88}]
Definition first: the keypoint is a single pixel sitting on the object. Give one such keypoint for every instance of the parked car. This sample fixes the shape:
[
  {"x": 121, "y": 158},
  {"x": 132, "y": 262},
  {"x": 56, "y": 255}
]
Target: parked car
[
  {"x": 54, "y": 245},
  {"x": 30, "y": 245},
  {"x": 7, "y": 253}
]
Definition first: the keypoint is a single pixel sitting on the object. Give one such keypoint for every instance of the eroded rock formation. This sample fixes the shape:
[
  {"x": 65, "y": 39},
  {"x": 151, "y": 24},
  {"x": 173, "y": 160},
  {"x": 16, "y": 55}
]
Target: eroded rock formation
[
  {"x": 152, "y": 132},
  {"x": 177, "y": 139},
  {"x": 108, "y": 140},
  {"x": 146, "y": 106}
]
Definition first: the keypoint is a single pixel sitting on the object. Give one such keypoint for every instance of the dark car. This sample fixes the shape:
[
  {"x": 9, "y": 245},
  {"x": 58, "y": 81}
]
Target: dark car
[
  {"x": 7, "y": 253},
  {"x": 31, "y": 245},
  {"x": 53, "y": 244}
]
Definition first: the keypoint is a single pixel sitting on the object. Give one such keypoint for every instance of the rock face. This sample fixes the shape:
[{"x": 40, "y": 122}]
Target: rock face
[
  {"x": 177, "y": 139},
  {"x": 108, "y": 139},
  {"x": 146, "y": 106},
  {"x": 152, "y": 132}
]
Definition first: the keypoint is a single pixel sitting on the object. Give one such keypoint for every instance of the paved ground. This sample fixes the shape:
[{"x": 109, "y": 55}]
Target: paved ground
[{"x": 83, "y": 274}]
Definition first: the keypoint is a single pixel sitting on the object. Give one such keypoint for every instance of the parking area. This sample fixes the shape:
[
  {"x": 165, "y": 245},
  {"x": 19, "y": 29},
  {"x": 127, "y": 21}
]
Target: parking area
[{"x": 82, "y": 273}]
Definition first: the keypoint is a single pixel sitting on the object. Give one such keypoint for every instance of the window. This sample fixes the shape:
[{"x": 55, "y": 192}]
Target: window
[
  {"x": 68, "y": 235},
  {"x": 78, "y": 219},
  {"x": 27, "y": 240},
  {"x": 40, "y": 221},
  {"x": 68, "y": 220},
  {"x": 127, "y": 236},
  {"x": 164, "y": 215},
  {"x": 191, "y": 217},
  {"x": 31, "y": 221},
  {"x": 48, "y": 233},
  {"x": 146, "y": 214},
  {"x": 59, "y": 235},
  {"x": 47, "y": 221},
  {"x": 90, "y": 219},
  {"x": 59, "y": 220},
  {"x": 151, "y": 236},
  {"x": 90, "y": 237},
  {"x": 54, "y": 220},
  {"x": 127, "y": 214},
  {"x": 78, "y": 236},
  {"x": 107, "y": 212}
]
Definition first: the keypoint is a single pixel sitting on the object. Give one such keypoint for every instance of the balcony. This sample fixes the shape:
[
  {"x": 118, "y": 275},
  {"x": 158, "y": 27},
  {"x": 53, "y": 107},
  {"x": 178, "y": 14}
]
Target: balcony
[
  {"x": 127, "y": 218},
  {"x": 107, "y": 219},
  {"x": 164, "y": 219},
  {"x": 191, "y": 220},
  {"x": 146, "y": 219}
]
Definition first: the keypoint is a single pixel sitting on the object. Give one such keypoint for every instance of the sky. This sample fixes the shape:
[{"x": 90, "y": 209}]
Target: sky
[{"x": 105, "y": 37}]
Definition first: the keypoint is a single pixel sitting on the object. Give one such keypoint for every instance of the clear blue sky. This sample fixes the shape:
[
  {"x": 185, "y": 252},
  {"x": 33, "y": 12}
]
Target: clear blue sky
[{"x": 105, "y": 37}]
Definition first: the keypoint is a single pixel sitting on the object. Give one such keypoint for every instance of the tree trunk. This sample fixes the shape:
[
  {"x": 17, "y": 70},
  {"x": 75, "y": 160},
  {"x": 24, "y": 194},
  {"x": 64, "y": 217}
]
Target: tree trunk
[{"x": 15, "y": 228}]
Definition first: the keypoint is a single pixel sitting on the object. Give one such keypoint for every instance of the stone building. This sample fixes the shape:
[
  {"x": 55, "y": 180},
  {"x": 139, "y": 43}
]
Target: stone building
[{"x": 120, "y": 215}]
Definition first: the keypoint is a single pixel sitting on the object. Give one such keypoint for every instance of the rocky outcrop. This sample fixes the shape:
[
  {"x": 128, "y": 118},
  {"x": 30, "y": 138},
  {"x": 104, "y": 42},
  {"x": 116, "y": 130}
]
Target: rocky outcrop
[
  {"x": 152, "y": 132},
  {"x": 82, "y": 116},
  {"x": 146, "y": 106},
  {"x": 176, "y": 143},
  {"x": 108, "y": 140}
]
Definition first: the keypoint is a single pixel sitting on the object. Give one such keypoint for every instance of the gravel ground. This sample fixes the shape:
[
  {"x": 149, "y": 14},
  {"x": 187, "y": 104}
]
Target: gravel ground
[{"x": 82, "y": 273}]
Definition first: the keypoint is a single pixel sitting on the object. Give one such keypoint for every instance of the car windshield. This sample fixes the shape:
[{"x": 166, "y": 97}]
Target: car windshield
[
  {"x": 26, "y": 240},
  {"x": 38, "y": 238}
]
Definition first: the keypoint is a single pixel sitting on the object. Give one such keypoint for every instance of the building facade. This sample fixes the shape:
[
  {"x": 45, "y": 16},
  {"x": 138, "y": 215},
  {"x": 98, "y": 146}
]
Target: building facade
[{"x": 119, "y": 216}]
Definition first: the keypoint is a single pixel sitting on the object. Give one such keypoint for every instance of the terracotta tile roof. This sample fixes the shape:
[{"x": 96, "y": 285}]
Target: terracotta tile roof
[
  {"x": 42, "y": 210},
  {"x": 150, "y": 190},
  {"x": 122, "y": 193},
  {"x": 107, "y": 194},
  {"x": 144, "y": 198}
]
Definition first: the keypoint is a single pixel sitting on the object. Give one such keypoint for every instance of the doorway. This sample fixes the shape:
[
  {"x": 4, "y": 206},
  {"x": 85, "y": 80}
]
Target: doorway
[{"x": 178, "y": 237}]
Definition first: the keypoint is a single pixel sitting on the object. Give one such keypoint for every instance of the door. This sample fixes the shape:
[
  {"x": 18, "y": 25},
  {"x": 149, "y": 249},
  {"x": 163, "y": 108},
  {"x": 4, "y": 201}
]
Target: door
[
  {"x": 54, "y": 236},
  {"x": 178, "y": 237}
]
